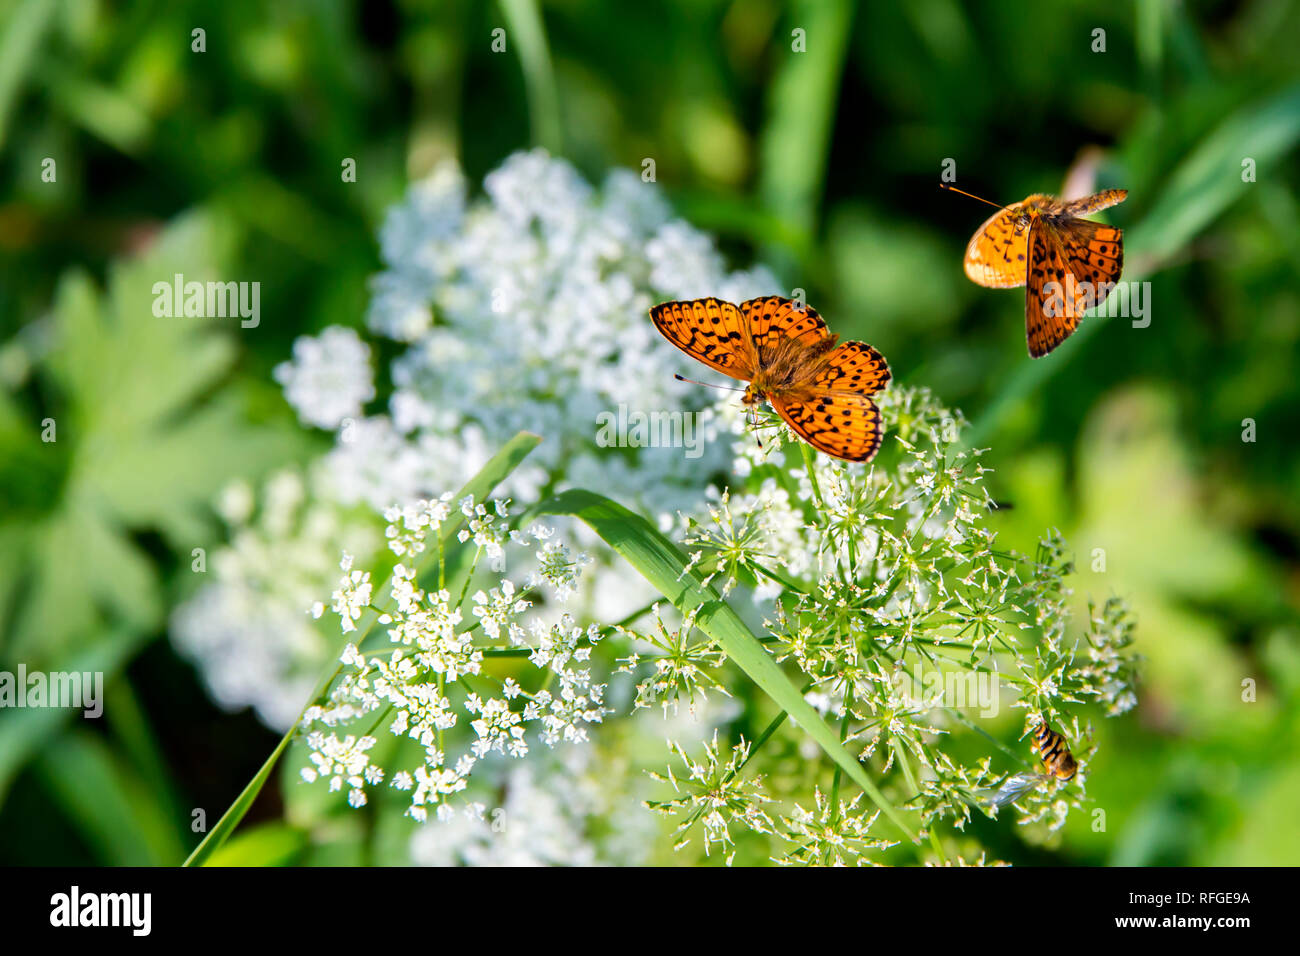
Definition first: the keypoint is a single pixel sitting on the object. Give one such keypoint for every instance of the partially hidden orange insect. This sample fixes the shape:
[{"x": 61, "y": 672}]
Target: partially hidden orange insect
[
  {"x": 1067, "y": 264},
  {"x": 1054, "y": 752},
  {"x": 790, "y": 359}
]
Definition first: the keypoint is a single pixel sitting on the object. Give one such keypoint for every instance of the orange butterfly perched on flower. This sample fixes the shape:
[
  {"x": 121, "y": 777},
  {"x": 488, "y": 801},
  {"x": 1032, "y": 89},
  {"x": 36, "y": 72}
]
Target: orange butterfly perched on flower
[
  {"x": 790, "y": 359},
  {"x": 1067, "y": 264}
]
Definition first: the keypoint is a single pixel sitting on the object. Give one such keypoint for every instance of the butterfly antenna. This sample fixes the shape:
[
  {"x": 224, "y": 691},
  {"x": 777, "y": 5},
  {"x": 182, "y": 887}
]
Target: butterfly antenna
[
  {"x": 729, "y": 388},
  {"x": 954, "y": 189}
]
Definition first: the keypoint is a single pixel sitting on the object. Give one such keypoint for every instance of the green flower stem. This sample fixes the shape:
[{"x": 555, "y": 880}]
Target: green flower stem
[
  {"x": 770, "y": 729},
  {"x": 806, "y": 451},
  {"x": 937, "y": 844},
  {"x": 779, "y": 578}
]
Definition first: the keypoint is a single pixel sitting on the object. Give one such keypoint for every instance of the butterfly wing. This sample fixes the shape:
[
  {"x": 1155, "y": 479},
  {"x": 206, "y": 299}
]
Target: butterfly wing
[
  {"x": 841, "y": 424},
  {"x": 1095, "y": 253},
  {"x": 1072, "y": 268},
  {"x": 1050, "y": 315},
  {"x": 774, "y": 320},
  {"x": 853, "y": 367},
  {"x": 711, "y": 331},
  {"x": 834, "y": 413},
  {"x": 997, "y": 255}
]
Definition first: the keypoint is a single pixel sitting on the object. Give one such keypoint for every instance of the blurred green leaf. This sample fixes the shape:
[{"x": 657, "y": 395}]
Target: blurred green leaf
[
  {"x": 800, "y": 114},
  {"x": 1209, "y": 179},
  {"x": 131, "y": 732},
  {"x": 145, "y": 437},
  {"x": 528, "y": 34},
  {"x": 270, "y": 844},
  {"x": 101, "y": 110},
  {"x": 21, "y": 33},
  {"x": 26, "y": 731},
  {"x": 115, "y": 812}
]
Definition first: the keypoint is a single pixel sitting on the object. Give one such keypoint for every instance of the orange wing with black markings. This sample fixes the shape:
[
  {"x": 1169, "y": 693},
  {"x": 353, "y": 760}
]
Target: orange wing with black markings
[
  {"x": 1067, "y": 264},
  {"x": 997, "y": 255},
  {"x": 834, "y": 414},
  {"x": 789, "y": 356},
  {"x": 1073, "y": 268},
  {"x": 854, "y": 367},
  {"x": 842, "y": 424},
  {"x": 773, "y": 319},
  {"x": 1095, "y": 253},
  {"x": 1050, "y": 315},
  {"x": 711, "y": 331}
]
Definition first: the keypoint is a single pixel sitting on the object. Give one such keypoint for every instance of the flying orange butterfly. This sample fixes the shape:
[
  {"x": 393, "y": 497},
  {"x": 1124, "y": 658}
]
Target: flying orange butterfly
[
  {"x": 791, "y": 360},
  {"x": 1067, "y": 264}
]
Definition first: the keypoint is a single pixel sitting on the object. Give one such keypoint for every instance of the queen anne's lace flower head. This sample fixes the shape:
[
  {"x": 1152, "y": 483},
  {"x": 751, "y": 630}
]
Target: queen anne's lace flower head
[
  {"x": 329, "y": 378},
  {"x": 525, "y": 307},
  {"x": 522, "y": 307},
  {"x": 429, "y": 680}
]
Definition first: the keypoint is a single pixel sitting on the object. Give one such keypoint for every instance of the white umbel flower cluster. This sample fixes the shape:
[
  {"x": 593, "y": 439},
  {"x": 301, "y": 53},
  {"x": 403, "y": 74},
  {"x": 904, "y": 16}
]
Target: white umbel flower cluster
[
  {"x": 527, "y": 309},
  {"x": 429, "y": 683},
  {"x": 522, "y": 308}
]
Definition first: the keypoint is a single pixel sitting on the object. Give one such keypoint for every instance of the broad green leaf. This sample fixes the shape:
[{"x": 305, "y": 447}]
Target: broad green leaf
[
  {"x": 145, "y": 436},
  {"x": 664, "y": 566}
]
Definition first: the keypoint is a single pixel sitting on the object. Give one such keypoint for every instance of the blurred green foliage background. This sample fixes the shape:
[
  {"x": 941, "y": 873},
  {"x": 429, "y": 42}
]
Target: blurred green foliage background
[{"x": 823, "y": 163}]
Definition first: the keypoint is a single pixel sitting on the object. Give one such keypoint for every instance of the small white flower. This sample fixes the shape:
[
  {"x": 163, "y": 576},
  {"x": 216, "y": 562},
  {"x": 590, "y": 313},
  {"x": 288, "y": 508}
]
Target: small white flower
[{"x": 329, "y": 378}]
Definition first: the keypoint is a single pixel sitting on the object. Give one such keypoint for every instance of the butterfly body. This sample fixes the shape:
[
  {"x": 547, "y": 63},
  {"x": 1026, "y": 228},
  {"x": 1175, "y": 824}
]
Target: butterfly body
[
  {"x": 790, "y": 370},
  {"x": 790, "y": 359},
  {"x": 1067, "y": 264}
]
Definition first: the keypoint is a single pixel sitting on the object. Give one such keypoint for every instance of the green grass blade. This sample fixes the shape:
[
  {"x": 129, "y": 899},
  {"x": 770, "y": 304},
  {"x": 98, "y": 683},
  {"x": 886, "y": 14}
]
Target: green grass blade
[
  {"x": 801, "y": 110},
  {"x": 270, "y": 844},
  {"x": 480, "y": 486},
  {"x": 22, "y": 32},
  {"x": 230, "y": 819},
  {"x": 664, "y": 566},
  {"x": 1208, "y": 180},
  {"x": 528, "y": 35}
]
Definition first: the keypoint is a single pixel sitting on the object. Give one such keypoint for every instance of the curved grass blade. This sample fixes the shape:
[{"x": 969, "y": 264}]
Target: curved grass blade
[
  {"x": 796, "y": 135},
  {"x": 529, "y": 34},
  {"x": 479, "y": 487},
  {"x": 664, "y": 566}
]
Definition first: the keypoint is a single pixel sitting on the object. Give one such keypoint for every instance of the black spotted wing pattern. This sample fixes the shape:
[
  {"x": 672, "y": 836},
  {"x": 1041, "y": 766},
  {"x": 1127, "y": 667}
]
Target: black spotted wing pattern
[{"x": 711, "y": 331}]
